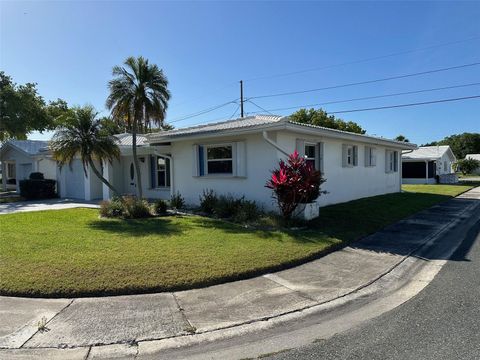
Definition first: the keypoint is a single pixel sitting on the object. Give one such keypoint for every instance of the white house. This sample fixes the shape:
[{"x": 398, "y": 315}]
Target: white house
[
  {"x": 427, "y": 163},
  {"x": 236, "y": 157},
  {"x": 19, "y": 158},
  {"x": 475, "y": 157}
]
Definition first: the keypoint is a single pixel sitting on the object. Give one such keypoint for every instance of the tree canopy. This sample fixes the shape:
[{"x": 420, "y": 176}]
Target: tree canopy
[
  {"x": 461, "y": 144},
  {"x": 402, "y": 138},
  {"x": 23, "y": 110},
  {"x": 320, "y": 117}
]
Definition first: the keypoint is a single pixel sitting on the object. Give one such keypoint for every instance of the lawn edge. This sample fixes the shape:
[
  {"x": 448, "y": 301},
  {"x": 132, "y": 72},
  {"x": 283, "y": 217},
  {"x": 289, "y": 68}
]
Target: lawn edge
[{"x": 214, "y": 281}]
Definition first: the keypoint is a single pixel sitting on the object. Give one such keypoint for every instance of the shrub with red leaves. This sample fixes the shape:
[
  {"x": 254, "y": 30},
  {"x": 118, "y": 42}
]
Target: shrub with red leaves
[{"x": 295, "y": 182}]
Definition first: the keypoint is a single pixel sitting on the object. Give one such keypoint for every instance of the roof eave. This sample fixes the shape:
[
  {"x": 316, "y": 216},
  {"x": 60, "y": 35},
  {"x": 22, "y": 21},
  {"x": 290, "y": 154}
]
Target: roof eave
[{"x": 349, "y": 136}]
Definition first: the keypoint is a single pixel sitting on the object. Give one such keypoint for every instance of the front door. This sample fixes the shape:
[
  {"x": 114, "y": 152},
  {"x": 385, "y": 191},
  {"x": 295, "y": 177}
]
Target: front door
[{"x": 132, "y": 188}]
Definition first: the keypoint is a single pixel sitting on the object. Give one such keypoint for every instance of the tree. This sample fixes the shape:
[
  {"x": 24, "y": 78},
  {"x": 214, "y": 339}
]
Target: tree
[
  {"x": 320, "y": 117},
  {"x": 110, "y": 126},
  {"x": 23, "y": 110},
  {"x": 461, "y": 144},
  {"x": 467, "y": 166},
  {"x": 81, "y": 134},
  {"x": 138, "y": 97},
  {"x": 402, "y": 138},
  {"x": 293, "y": 183}
]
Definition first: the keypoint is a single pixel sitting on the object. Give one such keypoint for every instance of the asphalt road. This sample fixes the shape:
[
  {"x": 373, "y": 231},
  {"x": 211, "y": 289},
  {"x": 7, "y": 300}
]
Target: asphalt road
[{"x": 441, "y": 322}]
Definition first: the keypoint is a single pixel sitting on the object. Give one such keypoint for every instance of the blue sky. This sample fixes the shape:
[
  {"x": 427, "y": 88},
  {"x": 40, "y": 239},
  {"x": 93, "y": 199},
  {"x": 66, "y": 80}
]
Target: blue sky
[{"x": 205, "y": 48}]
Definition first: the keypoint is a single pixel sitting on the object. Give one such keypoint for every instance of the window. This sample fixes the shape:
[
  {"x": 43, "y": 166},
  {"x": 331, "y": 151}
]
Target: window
[
  {"x": 132, "y": 171},
  {"x": 445, "y": 166},
  {"x": 350, "y": 155},
  {"x": 391, "y": 158},
  {"x": 219, "y": 159},
  {"x": 163, "y": 172},
  {"x": 11, "y": 171},
  {"x": 370, "y": 156},
  {"x": 310, "y": 154}
]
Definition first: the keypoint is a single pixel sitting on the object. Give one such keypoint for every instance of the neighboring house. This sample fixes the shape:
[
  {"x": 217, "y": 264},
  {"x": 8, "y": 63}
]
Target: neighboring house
[
  {"x": 19, "y": 158},
  {"x": 475, "y": 157},
  {"x": 236, "y": 157},
  {"x": 427, "y": 164}
]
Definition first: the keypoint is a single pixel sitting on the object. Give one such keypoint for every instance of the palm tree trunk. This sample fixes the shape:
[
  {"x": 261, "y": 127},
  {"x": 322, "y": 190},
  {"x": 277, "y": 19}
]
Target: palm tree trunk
[
  {"x": 138, "y": 176},
  {"x": 105, "y": 181}
]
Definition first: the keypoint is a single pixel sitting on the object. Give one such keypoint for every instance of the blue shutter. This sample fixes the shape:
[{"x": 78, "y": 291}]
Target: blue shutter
[
  {"x": 201, "y": 163},
  {"x": 152, "y": 171}
]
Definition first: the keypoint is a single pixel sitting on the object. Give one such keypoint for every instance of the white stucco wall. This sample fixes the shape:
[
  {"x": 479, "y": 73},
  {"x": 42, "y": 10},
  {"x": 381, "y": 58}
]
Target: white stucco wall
[
  {"x": 48, "y": 167},
  {"x": 260, "y": 159},
  {"x": 343, "y": 184},
  {"x": 349, "y": 183}
]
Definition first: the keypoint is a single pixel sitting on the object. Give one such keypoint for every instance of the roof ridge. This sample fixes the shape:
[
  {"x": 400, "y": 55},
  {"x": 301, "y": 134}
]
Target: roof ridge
[{"x": 199, "y": 126}]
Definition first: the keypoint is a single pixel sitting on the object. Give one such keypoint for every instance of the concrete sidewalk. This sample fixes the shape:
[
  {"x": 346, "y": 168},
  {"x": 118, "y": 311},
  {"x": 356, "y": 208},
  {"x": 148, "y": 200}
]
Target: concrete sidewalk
[
  {"x": 49, "y": 204},
  {"x": 80, "y": 326}
]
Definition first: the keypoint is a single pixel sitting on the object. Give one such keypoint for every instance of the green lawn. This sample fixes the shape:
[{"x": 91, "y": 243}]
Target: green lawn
[{"x": 74, "y": 253}]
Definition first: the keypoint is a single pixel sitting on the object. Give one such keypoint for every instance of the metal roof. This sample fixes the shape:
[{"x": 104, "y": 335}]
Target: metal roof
[
  {"x": 125, "y": 139},
  {"x": 31, "y": 147},
  {"x": 427, "y": 152},
  {"x": 473, "y": 156},
  {"x": 240, "y": 123},
  {"x": 259, "y": 121}
]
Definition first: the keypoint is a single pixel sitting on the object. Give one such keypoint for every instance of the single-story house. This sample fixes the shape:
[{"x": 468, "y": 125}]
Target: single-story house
[
  {"x": 236, "y": 157},
  {"x": 19, "y": 158},
  {"x": 475, "y": 157},
  {"x": 427, "y": 164}
]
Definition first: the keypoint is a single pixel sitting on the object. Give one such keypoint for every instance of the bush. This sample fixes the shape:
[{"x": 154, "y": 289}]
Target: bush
[
  {"x": 246, "y": 211},
  {"x": 295, "y": 182},
  {"x": 177, "y": 202},
  {"x": 208, "y": 201},
  {"x": 36, "y": 176},
  {"x": 236, "y": 209},
  {"x": 129, "y": 207},
  {"x": 111, "y": 208},
  {"x": 38, "y": 189},
  {"x": 134, "y": 208},
  {"x": 467, "y": 166},
  {"x": 160, "y": 207}
]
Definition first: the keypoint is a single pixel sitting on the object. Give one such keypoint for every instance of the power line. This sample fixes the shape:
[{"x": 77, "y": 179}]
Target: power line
[
  {"x": 258, "y": 106},
  {"x": 238, "y": 107},
  {"x": 362, "y": 60},
  {"x": 370, "y": 97},
  {"x": 401, "y": 105},
  {"x": 366, "y": 82},
  {"x": 407, "y": 105},
  {"x": 201, "y": 112}
]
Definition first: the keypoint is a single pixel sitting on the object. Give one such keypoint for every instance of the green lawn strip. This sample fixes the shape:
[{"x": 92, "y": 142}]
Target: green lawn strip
[{"x": 74, "y": 253}]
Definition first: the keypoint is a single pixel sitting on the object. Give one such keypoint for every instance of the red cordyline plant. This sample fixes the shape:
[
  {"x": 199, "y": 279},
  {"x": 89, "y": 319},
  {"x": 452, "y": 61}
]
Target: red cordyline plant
[{"x": 293, "y": 183}]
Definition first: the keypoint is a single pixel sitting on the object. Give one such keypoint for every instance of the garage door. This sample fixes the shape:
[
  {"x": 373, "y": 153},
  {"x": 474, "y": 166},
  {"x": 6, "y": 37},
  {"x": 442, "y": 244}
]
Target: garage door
[{"x": 74, "y": 180}]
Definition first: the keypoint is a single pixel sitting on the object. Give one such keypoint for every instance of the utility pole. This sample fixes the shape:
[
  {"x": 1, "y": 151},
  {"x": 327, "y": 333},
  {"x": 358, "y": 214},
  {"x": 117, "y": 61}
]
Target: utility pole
[{"x": 241, "y": 98}]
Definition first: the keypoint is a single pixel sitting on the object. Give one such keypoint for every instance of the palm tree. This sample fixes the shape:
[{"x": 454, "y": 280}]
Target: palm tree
[
  {"x": 81, "y": 134},
  {"x": 138, "y": 96}
]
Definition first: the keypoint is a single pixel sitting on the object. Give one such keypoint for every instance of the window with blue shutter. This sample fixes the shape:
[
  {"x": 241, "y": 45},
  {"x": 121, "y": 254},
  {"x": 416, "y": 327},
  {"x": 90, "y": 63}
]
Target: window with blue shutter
[
  {"x": 201, "y": 161},
  {"x": 152, "y": 171}
]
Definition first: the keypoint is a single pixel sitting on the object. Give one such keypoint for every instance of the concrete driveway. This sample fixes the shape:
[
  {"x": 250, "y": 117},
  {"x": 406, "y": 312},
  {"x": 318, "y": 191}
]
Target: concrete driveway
[{"x": 50, "y": 204}]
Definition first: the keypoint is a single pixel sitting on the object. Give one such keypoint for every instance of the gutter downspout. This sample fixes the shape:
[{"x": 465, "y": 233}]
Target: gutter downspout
[
  {"x": 401, "y": 166},
  {"x": 172, "y": 191},
  {"x": 273, "y": 143}
]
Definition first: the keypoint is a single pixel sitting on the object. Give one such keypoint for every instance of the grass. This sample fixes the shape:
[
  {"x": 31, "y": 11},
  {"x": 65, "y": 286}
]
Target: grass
[{"x": 74, "y": 253}]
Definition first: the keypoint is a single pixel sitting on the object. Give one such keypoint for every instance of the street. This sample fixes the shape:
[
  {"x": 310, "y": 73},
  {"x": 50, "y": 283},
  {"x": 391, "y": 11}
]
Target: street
[{"x": 441, "y": 322}]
